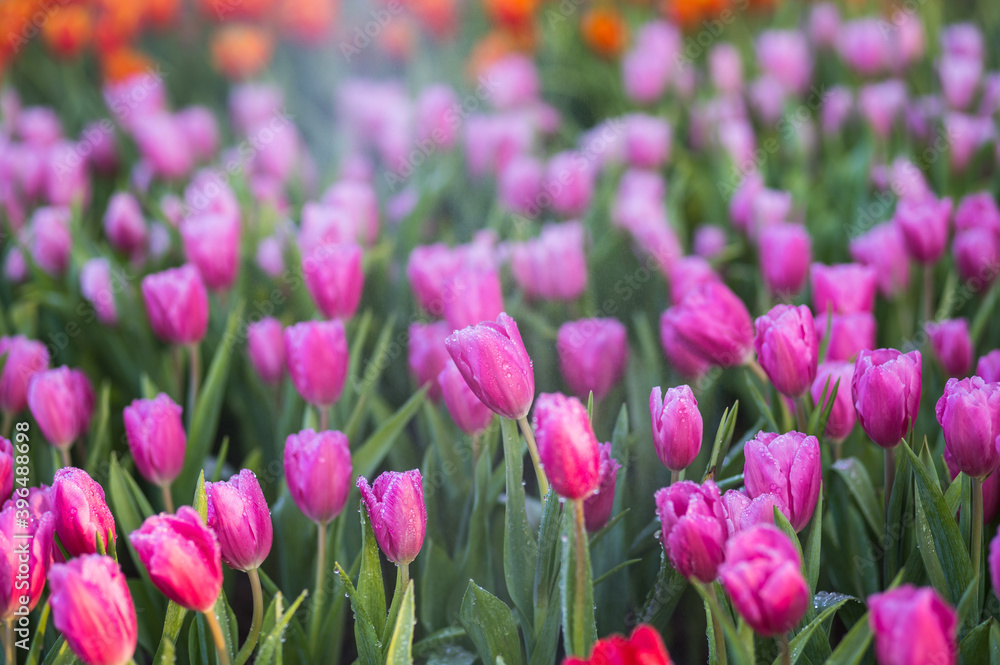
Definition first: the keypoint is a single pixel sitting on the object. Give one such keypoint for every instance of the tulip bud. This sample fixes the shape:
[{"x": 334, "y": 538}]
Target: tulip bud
[
  {"x": 785, "y": 253},
  {"x": 567, "y": 446},
  {"x": 677, "y": 426},
  {"x": 96, "y": 287},
  {"x": 266, "y": 348},
  {"x": 709, "y": 241},
  {"x": 395, "y": 506},
  {"x": 318, "y": 471},
  {"x": 317, "y": 356},
  {"x": 81, "y": 513},
  {"x": 92, "y": 608},
  {"x": 569, "y": 181},
  {"x": 335, "y": 278},
  {"x": 788, "y": 466},
  {"x": 24, "y": 558},
  {"x": 51, "y": 239},
  {"x": 177, "y": 304},
  {"x": 744, "y": 513},
  {"x": 924, "y": 223},
  {"x": 988, "y": 367},
  {"x": 912, "y": 625},
  {"x": 694, "y": 528},
  {"x": 593, "y": 354},
  {"x": 474, "y": 295},
  {"x": 428, "y": 355},
  {"x": 977, "y": 255},
  {"x": 647, "y": 140},
  {"x": 689, "y": 273},
  {"x": 495, "y": 364},
  {"x": 124, "y": 224},
  {"x": 156, "y": 438},
  {"x": 969, "y": 415},
  {"x": 433, "y": 116},
  {"x": 842, "y": 415},
  {"x": 428, "y": 269},
  {"x": 201, "y": 130},
  {"x": 597, "y": 508},
  {"x": 62, "y": 402},
  {"x": 681, "y": 356},
  {"x": 162, "y": 144},
  {"x": 20, "y": 358},
  {"x": 241, "y": 520},
  {"x": 763, "y": 576},
  {"x": 849, "y": 334},
  {"x": 712, "y": 324},
  {"x": 842, "y": 289},
  {"x": 952, "y": 345},
  {"x": 880, "y": 104},
  {"x": 786, "y": 348},
  {"x": 182, "y": 557},
  {"x": 468, "y": 412},
  {"x": 725, "y": 68},
  {"x": 552, "y": 266},
  {"x": 886, "y": 393},
  {"x": 838, "y": 103},
  {"x": 785, "y": 56},
  {"x": 212, "y": 244}
]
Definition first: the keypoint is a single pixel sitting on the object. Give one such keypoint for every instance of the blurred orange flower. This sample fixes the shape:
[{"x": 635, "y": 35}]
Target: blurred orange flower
[
  {"x": 118, "y": 23},
  {"x": 604, "y": 31},
  {"x": 229, "y": 10},
  {"x": 120, "y": 64},
  {"x": 511, "y": 13},
  {"x": 16, "y": 25},
  {"x": 240, "y": 51},
  {"x": 689, "y": 13},
  {"x": 162, "y": 13},
  {"x": 439, "y": 16},
  {"x": 307, "y": 20},
  {"x": 399, "y": 38},
  {"x": 497, "y": 44},
  {"x": 68, "y": 30}
]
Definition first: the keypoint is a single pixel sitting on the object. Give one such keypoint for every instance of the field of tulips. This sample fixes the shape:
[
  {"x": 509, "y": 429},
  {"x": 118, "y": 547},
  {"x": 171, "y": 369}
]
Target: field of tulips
[{"x": 516, "y": 332}]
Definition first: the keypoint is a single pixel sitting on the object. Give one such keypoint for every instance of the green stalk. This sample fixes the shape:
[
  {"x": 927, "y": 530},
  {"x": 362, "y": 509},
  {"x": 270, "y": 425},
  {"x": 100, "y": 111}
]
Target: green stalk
[
  {"x": 194, "y": 378},
  {"x": 976, "y": 549},
  {"x": 8, "y": 642},
  {"x": 6, "y": 424},
  {"x": 168, "y": 499},
  {"x": 786, "y": 653},
  {"x": 579, "y": 639},
  {"x": 220, "y": 641},
  {"x": 258, "y": 618},
  {"x": 717, "y": 630},
  {"x": 543, "y": 482},
  {"x": 890, "y": 479},
  {"x": 314, "y": 618},
  {"x": 64, "y": 459}
]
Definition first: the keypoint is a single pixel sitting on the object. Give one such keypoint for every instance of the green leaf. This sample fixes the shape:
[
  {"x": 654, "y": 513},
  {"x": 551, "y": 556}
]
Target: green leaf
[
  {"x": 761, "y": 403},
  {"x": 577, "y": 587},
  {"x": 798, "y": 644},
  {"x": 853, "y": 647},
  {"x": 723, "y": 437},
  {"x": 369, "y": 381},
  {"x": 200, "y": 500},
  {"x": 129, "y": 506},
  {"x": 812, "y": 552},
  {"x": 859, "y": 484},
  {"x": 821, "y": 414},
  {"x": 490, "y": 625},
  {"x": 371, "y": 589},
  {"x": 615, "y": 569},
  {"x": 401, "y": 645},
  {"x": 100, "y": 441},
  {"x": 663, "y": 597},
  {"x": 369, "y": 651},
  {"x": 985, "y": 312},
  {"x": 547, "y": 607},
  {"x": 370, "y": 454},
  {"x": 520, "y": 551},
  {"x": 166, "y": 652},
  {"x": 60, "y": 654},
  {"x": 270, "y": 644},
  {"x": 975, "y": 647},
  {"x": 782, "y": 523}
]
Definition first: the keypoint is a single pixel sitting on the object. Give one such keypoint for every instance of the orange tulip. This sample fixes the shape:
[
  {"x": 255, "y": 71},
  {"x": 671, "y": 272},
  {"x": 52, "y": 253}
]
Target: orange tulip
[
  {"x": 604, "y": 31},
  {"x": 307, "y": 20},
  {"x": 68, "y": 30},
  {"x": 439, "y": 16},
  {"x": 118, "y": 24},
  {"x": 690, "y": 13},
  {"x": 162, "y": 13},
  {"x": 399, "y": 38},
  {"x": 120, "y": 64},
  {"x": 240, "y": 51},
  {"x": 511, "y": 13},
  {"x": 495, "y": 45}
]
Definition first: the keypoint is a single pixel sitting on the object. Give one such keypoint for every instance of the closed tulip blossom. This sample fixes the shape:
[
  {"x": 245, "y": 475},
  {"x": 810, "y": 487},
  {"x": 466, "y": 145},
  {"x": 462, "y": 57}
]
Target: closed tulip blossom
[
  {"x": 395, "y": 505},
  {"x": 552, "y": 266},
  {"x": 266, "y": 349},
  {"x": 694, "y": 528},
  {"x": 51, "y": 239},
  {"x": 335, "y": 278},
  {"x": 883, "y": 249},
  {"x": 842, "y": 289},
  {"x": 156, "y": 439},
  {"x": 318, "y": 471},
  {"x": 518, "y": 185},
  {"x": 20, "y": 358},
  {"x": 428, "y": 270},
  {"x": 241, "y": 520},
  {"x": 25, "y": 557},
  {"x": 96, "y": 286},
  {"x": 924, "y": 223},
  {"x": 93, "y": 609},
  {"x": 597, "y": 508},
  {"x": 762, "y": 575},
  {"x": 124, "y": 224},
  {"x": 475, "y": 295},
  {"x": 677, "y": 426},
  {"x": 81, "y": 513},
  {"x": 212, "y": 244},
  {"x": 988, "y": 367},
  {"x": 789, "y": 466},
  {"x": 647, "y": 140},
  {"x": 785, "y": 254},
  {"x": 593, "y": 354},
  {"x": 177, "y": 304},
  {"x": 317, "y": 357},
  {"x": 689, "y": 273},
  {"x": 744, "y": 513},
  {"x": 842, "y": 415},
  {"x": 977, "y": 255},
  {"x": 849, "y": 334},
  {"x": 713, "y": 324},
  {"x": 913, "y": 625},
  {"x": 886, "y": 393},
  {"x": 569, "y": 183},
  {"x": 643, "y": 647},
  {"x": 786, "y": 348},
  {"x": 62, "y": 402},
  {"x": 969, "y": 415},
  {"x": 182, "y": 557},
  {"x": 567, "y": 446},
  {"x": 952, "y": 345},
  {"x": 427, "y": 354},
  {"x": 468, "y": 412}
]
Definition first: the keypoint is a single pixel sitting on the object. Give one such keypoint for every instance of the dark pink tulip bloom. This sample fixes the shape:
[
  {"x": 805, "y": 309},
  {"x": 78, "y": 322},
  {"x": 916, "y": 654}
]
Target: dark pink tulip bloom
[
  {"x": 6, "y": 468},
  {"x": 468, "y": 412},
  {"x": 849, "y": 334},
  {"x": 648, "y": 140},
  {"x": 677, "y": 426},
  {"x": 177, "y": 304},
  {"x": 62, "y": 402},
  {"x": 842, "y": 415},
  {"x": 969, "y": 415},
  {"x": 335, "y": 278},
  {"x": 597, "y": 508},
  {"x": 789, "y": 466},
  {"x": 492, "y": 359},
  {"x": 569, "y": 183},
  {"x": 395, "y": 505},
  {"x": 81, "y": 513},
  {"x": 22, "y": 358},
  {"x": 266, "y": 348},
  {"x": 744, "y": 513},
  {"x": 694, "y": 528},
  {"x": 475, "y": 295},
  {"x": 709, "y": 240},
  {"x": 26, "y": 556},
  {"x": 978, "y": 211},
  {"x": 519, "y": 184},
  {"x": 241, "y": 520},
  {"x": 552, "y": 266},
  {"x": 713, "y": 324},
  {"x": 201, "y": 129},
  {"x": 156, "y": 438},
  {"x": 886, "y": 393},
  {"x": 182, "y": 557},
  {"x": 427, "y": 354},
  {"x": 567, "y": 446},
  {"x": 786, "y": 348},
  {"x": 162, "y": 144},
  {"x": 124, "y": 224},
  {"x": 212, "y": 244},
  {"x": 762, "y": 574},
  {"x": 51, "y": 239},
  {"x": 977, "y": 256},
  {"x": 924, "y": 223},
  {"x": 593, "y": 354},
  {"x": 429, "y": 268},
  {"x": 689, "y": 273},
  {"x": 785, "y": 254},
  {"x": 842, "y": 289},
  {"x": 988, "y": 367},
  {"x": 952, "y": 345},
  {"x": 317, "y": 357},
  {"x": 318, "y": 471},
  {"x": 92, "y": 608},
  {"x": 913, "y": 625},
  {"x": 97, "y": 287}
]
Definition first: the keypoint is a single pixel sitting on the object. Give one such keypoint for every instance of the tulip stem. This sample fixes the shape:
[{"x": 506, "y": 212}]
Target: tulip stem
[
  {"x": 976, "y": 548},
  {"x": 168, "y": 499},
  {"x": 404, "y": 577},
  {"x": 194, "y": 379},
  {"x": 675, "y": 476},
  {"x": 717, "y": 618},
  {"x": 8, "y": 642},
  {"x": 258, "y": 618},
  {"x": 786, "y": 653},
  {"x": 928, "y": 293},
  {"x": 317, "y": 606},
  {"x": 7, "y": 424},
  {"x": 755, "y": 367},
  {"x": 220, "y": 641},
  {"x": 64, "y": 458},
  {"x": 890, "y": 479},
  {"x": 324, "y": 418},
  {"x": 543, "y": 483}
]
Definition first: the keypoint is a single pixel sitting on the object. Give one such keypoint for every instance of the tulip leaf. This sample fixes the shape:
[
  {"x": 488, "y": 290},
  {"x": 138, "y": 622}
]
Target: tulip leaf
[
  {"x": 200, "y": 500},
  {"x": 547, "y": 639},
  {"x": 975, "y": 646},
  {"x": 723, "y": 437},
  {"x": 100, "y": 440},
  {"x": 369, "y": 651},
  {"x": 437, "y": 587},
  {"x": 995, "y": 643},
  {"x": 854, "y": 475},
  {"x": 798, "y": 644},
  {"x": 520, "y": 551},
  {"x": 547, "y": 607},
  {"x": 854, "y": 645},
  {"x": 813, "y": 548},
  {"x": 821, "y": 414},
  {"x": 172, "y": 624},
  {"x": 270, "y": 644},
  {"x": 939, "y": 525},
  {"x": 597, "y": 536},
  {"x": 370, "y": 454},
  {"x": 576, "y": 584},
  {"x": 985, "y": 313},
  {"x": 401, "y": 646},
  {"x": 663, "y": 597},
  {"x": 205, "y": 418},
  {"x": 782, "y": 523},
  {"x": 761, "y": 403},
  {"x": 371, "y": 590},
  {"x": 491, "y": 626},
  {"x": 60, "y": 654},
  {"x": 390, "y": 622},
  {"x": 439, "y": 641},
  {"x": 365, "y": 385}
]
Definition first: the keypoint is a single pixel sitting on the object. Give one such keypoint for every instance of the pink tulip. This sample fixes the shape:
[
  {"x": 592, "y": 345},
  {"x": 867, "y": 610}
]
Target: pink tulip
[
  {"x": 952, "y": 345},
  {"x": 677, "y": 426},
  {"x": 913, "y": 625},
  {"x": 67, "y": 180},
  {"x": 845, "y": 288},
  {"x": 977, "y": 255},
  {"x": 124, "y": 224},
  {"x": 475, "y": 295},
  {"x": 433, "y": 116},
  {"x": 743, "y": 513},
  {"x": 593, "y": 354},
  {"x": 762, "y": 574},
  {"x": 770, "y": 207},
  {"x": 15, "y": 267},
  {"x": 395, "y": 506},
  {"x": 177, "y": 304},
  {"x": 849, "y": 334},
  {"x": 270, "y": 256},
  {"x": 96, "y": 287},
  {"x": 842, "y": 415},
  {"x": 969, "y": 415},
  {"x": 266, "y": 348},
  {"x": 883, "y": 249},
  {"x": 553, "y": 266},
  {"x": 212, "y": 244},
  {"x": 209, "y": 193},
  {"x": 355, "y": 207},
  {"x": 837, "y": 106},
  {"x": 567, "y": 446},
  {"x": 924, "y": 224},
  {"x": 863, "y": 46},
  {"x": 785, "y": 254},
  {"x": 21, "y": 359},
  {"x": 786, "y": 348},
  {"x": 709, "y": 241},
  {"x": 62, "y": 402},
  {"x": 318, "y": 471},
  {"x": 824, "y": 24},
  {"x": 429, "y": 268},
  {"x": 647, "y": 69},
  {"x": 569, "y": 182},
  {"x": 881, "y": 104},
  {"x": 741, "y": 203},
  {"x": 597, "y": 509},
  {"x": 335, "y": 278},
  {"x": 789, "y": 466},
  {"x": 201, "y": 130},
  {"x": 688, "y": 274},
  {"x": 182, "y": 557},
  {"x": 519, "y": 185},
  {"x": 647, "y": 140},
  {"x": 959, "y": 78},
  {"x": 82, "y": 516},
  {"x": 712, "y": 324},
  {"x": 241, "y": 520},
  {"x": 726, "y": 68},
  {"x": 317, "y": 357},
  {"x": 156, "y": 438},
  {"x": 38, "y": 125},
  {"x": 26, "y": 555},
  {"x": 51, "y": 239},
  {"x": 250, "y": 104},
  {"x": 784, "y": 55},
  {"x": 163, "y": 145},
  {"x": 886, "y": 393},
  {"x": 428, "y": 355},
  {"x": 694, "y": 528},
  {"x": 6, "y": 467},
  {"x": 516, "y": 81},
  {"x": 988, "y": 367},
  {"x": 468, "y": 412},
  {"x": 92, "y": 608}
]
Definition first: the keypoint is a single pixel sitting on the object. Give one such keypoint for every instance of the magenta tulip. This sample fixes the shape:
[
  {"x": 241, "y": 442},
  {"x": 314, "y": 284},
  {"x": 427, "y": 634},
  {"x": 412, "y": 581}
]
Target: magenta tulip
[
  {"x": 177, "y": 304},
  {"x": 62, "y": 402},
  {"x": 475, "y": 295},
  {"x": 977, "y": 255},
  {"x": 597, "y": 508},
  {"x": 842, "y": 289},
  {"x": 124, "y": 224},
  {"x": 427, "y": 354},
  {"x": 567, "y": 446},
  {"x": 988, "y": 367},
  {"x": 317, "y": 357},
  {"x": 51, "y": 239},
  {"x": 647, "y": 140},
  {"x": 25, "y": 557},
  {"x": 593, "y": 354},
  {"x": 849, "y": 334},
  {"x": 6, "y": 468},
  {"x": 21, "y": 359},
  {"x": 924, "y": 223},
  {"x": 552, "y": 266},
  {"x": 789, "y": 466},
  {"x": 81, "y": 514},
  {"x": 241, "y": 520},
  {"x": 969, "y": 415},
  {"x": 335, "y": 278},
  {"x": 744, "y": 513},
  {"x": 842, "y": 415},
  {"x": 785, "y": 254},
  {"x": 468, "y": 412},
  {"x": 786, "y": 348},
  {"x": 212, "y": 244},
  {"x": 913, "y": 625},
  {"x": 713, "y": 324},
  {"x": 318, "y": 471},
  {"x": 688, "y": 274},
  {"x": 266, "y": 348},
  {"x": 952, "y": 345},
  {"x": 428, "y": 270},
  {"x": 395, "y": 505},
  {"x": 677, "y": 426},
  {"x": 886, "y": 393},
  {"x": 96, "y": 286},
  {"x": 694, "y": 528},
  {"x": 156, "y": 438},
  {"x": 569, "y": 182}
]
